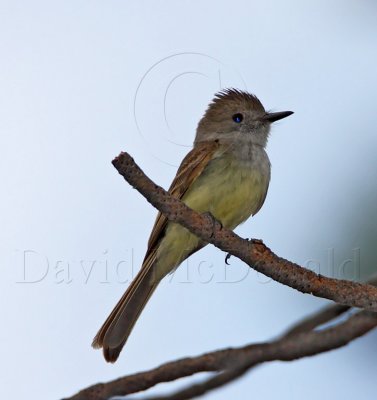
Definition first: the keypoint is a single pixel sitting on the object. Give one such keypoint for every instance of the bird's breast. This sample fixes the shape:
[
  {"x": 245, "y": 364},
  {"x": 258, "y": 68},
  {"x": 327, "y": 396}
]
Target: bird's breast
[{"x": 230, "y": 188}]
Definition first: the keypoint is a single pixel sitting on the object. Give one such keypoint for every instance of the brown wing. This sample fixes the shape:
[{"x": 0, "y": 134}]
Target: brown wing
[
  {"x": 114, "y": 332},
  {"x": 190, "y": 168}
]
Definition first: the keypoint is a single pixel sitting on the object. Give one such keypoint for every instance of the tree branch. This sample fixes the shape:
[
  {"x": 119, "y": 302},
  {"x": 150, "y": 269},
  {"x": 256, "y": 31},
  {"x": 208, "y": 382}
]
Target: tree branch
[
  {"x": 254, "y": 252},
  {"x": 234, "y": 362},
  {"x": 287, "y": 349}
]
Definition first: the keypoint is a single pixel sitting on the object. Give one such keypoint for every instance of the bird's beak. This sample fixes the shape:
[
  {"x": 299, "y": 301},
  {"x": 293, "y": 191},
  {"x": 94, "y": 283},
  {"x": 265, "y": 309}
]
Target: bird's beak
[{"x": 275, "y": 116}]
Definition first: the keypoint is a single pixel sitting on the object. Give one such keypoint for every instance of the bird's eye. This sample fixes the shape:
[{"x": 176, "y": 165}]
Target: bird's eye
[{"x": 237, "y": 118}]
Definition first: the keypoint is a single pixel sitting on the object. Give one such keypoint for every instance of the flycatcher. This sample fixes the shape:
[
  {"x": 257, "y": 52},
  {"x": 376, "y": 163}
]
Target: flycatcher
[{"x": 227, "y": 173}]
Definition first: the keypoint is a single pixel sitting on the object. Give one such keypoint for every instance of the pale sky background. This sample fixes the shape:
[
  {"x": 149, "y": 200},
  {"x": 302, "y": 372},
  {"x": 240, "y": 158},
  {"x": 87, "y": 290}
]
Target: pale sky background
[{"x": 82, "y": 80}]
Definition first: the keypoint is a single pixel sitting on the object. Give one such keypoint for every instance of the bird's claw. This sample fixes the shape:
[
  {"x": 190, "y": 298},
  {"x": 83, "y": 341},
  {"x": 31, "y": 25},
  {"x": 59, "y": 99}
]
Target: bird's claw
[{"x": 227, "y": 258}]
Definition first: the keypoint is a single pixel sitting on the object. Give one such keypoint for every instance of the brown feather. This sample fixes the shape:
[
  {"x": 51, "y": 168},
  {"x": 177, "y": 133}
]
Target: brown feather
[{"x": 191, "y": 167}]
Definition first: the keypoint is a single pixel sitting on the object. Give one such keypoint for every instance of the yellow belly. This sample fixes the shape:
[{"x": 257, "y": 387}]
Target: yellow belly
[{"x": 231, "y": 190}]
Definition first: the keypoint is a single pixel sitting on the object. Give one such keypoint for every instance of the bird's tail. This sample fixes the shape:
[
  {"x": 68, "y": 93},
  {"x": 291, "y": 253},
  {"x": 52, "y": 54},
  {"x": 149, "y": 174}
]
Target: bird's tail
[{"x": 115, "y": 331}]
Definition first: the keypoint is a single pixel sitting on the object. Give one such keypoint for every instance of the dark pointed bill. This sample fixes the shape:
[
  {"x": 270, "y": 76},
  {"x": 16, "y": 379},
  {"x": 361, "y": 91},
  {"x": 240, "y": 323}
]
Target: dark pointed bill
[{"x": 275, "y": 116}]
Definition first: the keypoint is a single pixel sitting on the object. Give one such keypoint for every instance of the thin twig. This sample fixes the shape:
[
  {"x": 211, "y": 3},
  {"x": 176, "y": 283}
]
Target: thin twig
[
  {"x": 198, "y": 389},
  {"x": 322, "y": 317}
]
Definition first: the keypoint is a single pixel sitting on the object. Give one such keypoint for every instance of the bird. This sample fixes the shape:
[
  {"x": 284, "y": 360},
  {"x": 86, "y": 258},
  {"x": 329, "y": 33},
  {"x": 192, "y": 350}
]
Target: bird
[{"x": 226, "y": 174}]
